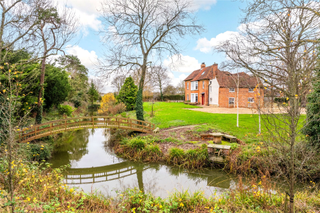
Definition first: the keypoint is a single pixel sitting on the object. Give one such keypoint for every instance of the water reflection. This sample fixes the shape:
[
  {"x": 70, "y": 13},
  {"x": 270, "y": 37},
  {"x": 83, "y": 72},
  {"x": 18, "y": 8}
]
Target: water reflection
[{"x": 95, "y": 167}]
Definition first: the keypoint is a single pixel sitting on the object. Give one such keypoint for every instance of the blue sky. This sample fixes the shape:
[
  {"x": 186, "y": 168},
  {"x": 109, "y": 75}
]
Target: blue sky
[{"x": 219, "y": 17}]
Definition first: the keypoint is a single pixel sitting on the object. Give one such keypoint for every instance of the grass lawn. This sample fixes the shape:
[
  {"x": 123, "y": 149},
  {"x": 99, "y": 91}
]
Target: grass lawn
[{"x": 177, "y": 114}]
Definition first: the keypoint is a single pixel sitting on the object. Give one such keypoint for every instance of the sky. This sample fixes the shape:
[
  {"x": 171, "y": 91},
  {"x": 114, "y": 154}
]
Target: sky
[{"x": 220, "y": 18}]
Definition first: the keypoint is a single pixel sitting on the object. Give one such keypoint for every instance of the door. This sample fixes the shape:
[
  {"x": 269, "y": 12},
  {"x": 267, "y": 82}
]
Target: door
[{"x": 202, "y": 99}]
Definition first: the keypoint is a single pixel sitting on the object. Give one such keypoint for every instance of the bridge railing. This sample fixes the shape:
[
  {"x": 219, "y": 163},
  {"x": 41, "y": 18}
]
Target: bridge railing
[{"x": 53, "y": 127}]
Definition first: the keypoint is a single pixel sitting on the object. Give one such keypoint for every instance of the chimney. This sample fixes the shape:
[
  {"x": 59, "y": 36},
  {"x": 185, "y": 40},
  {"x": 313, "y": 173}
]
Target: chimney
[{"x": 203, "y": 65}]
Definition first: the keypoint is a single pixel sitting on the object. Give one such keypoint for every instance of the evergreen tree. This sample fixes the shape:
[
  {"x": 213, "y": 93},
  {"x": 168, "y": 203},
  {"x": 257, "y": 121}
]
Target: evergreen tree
[
  {"x": 312, "y": 127},
  {"x": 93, "y": 93},
  {"x": 128, "y": 93}
]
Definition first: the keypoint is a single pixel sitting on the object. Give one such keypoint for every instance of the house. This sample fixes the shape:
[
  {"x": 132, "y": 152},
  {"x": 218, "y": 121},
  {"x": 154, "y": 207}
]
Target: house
[{"x": 212, "y": 87}]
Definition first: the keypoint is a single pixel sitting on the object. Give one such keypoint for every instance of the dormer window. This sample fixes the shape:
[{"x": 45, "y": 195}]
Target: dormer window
[
  {"x": 202, "y": 73},
  {"x": 231, "y": 89}
]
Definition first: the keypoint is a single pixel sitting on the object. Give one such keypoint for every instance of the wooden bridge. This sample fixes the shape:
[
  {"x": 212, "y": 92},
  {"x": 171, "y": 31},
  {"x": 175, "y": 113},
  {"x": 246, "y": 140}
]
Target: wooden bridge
[{"x": 54, "y": 127}]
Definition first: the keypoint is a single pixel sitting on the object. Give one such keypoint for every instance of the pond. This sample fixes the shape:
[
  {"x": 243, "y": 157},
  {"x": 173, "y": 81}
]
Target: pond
[{"x": 94, "y": 167}]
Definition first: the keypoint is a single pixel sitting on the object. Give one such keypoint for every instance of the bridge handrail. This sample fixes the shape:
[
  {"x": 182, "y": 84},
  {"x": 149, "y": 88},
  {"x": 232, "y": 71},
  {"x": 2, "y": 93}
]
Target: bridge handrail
[{"x": 64, "y": 124}]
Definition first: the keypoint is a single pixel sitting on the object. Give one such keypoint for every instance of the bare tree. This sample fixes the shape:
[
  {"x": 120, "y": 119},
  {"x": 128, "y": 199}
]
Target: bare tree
[
  {"x": 276, "y": 44},
  {"x": 54, "y": 29},
  {"x": 181, "y": 88},
  {"x": 138, "y": 29},
  {"x": 17, "y": 23},
  {"x": 160, "y": 78},
  {"x": 117, "y": 82}
]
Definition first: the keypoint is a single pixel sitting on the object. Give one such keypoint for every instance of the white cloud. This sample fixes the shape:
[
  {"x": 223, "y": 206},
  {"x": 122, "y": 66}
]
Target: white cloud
[
  {"x": 206, "y": 46},
  {"x": 175, "y": 81},
  {"x": 88, "y": 59},
  {"x": 202, "y": 4},
  {"x": 90, "y": 7},
  {"x": 181, "y": 63}
]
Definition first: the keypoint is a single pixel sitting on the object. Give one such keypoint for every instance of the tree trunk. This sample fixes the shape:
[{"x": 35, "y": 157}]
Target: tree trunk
[
  {"x": 41, "y": 91},
  {"x": 139, "y": 102}
]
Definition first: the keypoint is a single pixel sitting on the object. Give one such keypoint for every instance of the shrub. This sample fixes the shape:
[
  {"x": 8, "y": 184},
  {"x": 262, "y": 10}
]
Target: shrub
[
  {"x": 176, "y": 156},
  {"x": 117, "y": 109},
  {"x": 107, "y": 101},
  {"x": 124, "y": 115},
  {"x": 137, "y": 143},
  {"x": 65, "y": 109},
  {"x": 37, "y": 152}
]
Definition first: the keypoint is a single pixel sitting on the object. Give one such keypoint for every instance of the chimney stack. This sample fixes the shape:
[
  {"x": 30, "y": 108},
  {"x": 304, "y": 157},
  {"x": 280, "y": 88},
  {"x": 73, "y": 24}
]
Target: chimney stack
[{"x": 203, "y": 65}]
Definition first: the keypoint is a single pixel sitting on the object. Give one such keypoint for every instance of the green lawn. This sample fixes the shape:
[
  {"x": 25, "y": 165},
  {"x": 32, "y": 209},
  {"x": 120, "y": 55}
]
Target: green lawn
[{"x": 177, "y": 114}]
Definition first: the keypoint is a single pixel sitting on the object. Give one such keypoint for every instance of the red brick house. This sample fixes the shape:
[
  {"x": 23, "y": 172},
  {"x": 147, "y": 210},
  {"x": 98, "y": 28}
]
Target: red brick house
[{"x": 212, "y": 87}]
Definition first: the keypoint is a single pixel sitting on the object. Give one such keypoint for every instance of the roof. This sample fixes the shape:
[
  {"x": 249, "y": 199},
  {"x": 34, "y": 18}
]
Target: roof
[{"x": 224, "y": 78}]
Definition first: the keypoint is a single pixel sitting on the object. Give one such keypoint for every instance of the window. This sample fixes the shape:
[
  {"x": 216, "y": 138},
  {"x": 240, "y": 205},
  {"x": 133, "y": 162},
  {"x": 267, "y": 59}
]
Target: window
[
  {"x": 194, "y": 97},
  {"x": 231, "y": 101},
  {"x": 250, "y": 100},
  {"x": 194, "y": 85},
  {"x": 231, "y": 89},
  {"x": 202, "y": 84},
  {"x": 251, "y": 90},
  {"x": 187, "y": 85},
  {"x": 188, "y": 97}
]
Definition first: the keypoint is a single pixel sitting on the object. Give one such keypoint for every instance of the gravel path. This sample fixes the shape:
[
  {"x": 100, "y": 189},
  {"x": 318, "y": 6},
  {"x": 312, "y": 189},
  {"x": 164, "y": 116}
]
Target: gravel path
[{"x": 219, "y": 110}]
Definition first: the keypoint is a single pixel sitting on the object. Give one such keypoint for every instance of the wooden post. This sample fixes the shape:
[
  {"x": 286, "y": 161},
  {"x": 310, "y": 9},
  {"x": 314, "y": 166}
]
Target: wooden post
[{"x": 92, "y": 121}]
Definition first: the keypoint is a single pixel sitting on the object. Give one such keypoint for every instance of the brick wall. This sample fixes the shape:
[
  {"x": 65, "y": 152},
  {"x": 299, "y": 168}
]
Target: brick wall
[
  {"x": 187, "y": 91},
  {"x": 203, "y": 89},
  {"x": 244, "y": 95}
]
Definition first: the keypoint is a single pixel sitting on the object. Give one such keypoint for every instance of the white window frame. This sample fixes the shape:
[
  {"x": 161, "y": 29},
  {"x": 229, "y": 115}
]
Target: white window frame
[
  {"x": 194, "y": 85},
  {"x": 194, "y": 97},
  {"x": 187, "y": 85},
  {"x": 251, "y": 90},
  {"x": 202, "y": 84},
  {"x": 233, "y": 101},
  {"x": 187, "y": 97},
  {"x": 251, "y": 100},
  {"x": 232, "y": 89}
]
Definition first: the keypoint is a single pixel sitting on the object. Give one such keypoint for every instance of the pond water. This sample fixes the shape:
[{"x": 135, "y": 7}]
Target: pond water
[{"x": 95, "y": 167}]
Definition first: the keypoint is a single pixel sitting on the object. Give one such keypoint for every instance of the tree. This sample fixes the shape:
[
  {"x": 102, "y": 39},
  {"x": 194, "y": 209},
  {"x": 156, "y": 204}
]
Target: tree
[
  {"x": 117, "y": 82},
  {"x": 276, "y": 44},
  {"x": 107, "y": 101},
  {"x": 170, "y": 90},
  {"x": 128, "y": 93},
  {"x": 181, "y": 88},
  {"x": 18, "y": 19},
  {"x": 54, "y": 30},
  {"x": 93, "y": 93},
  {"x": 139, "y": 28},
  {"x": 57, "y": 86},
  {"x": 312, "y": 127},
  {"x": 160, "y": 78},
  {"x": 78, "y": 79}
]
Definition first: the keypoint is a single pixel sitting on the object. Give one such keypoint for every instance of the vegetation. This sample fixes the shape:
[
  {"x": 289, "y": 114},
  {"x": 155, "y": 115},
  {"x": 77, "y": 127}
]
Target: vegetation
[
  {"x": 65, "y": 110},
  {"x": 40, "y": 189},
  {"x": 128, "y": 93},
  {"x": 93, "y": 93},
  {"x": 312, "y": 127}
]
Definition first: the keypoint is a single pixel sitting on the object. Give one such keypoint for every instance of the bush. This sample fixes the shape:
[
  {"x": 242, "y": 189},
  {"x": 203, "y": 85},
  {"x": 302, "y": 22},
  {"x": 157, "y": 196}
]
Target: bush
[
  {"x": 37, "y": 152},
  {"x": 116, "y": 109},
  {"x": 65, "y": 109},
  {"x": 137, "y": 143},
  {"x": 124, "y": 114}
]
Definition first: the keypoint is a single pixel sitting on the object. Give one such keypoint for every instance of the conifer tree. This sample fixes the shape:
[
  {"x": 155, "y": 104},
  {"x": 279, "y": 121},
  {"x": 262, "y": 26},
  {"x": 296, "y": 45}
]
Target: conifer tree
[{"x": 128, "y": 93}]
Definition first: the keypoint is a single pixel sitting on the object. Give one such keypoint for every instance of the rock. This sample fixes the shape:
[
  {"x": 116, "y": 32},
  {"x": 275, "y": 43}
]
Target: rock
[{"x": 156, "y": 130}]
